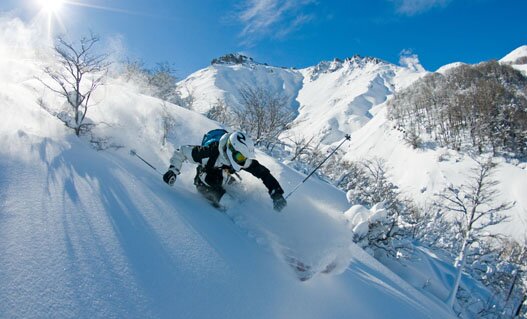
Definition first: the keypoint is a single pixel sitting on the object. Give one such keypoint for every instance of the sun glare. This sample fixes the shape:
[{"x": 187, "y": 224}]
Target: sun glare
[
  {"x": 51, "y": 12},
  {"x": 51, "y": 6}
]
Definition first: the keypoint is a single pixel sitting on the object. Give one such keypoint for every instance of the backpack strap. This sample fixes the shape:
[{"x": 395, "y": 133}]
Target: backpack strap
[
  {"x": 214, "y": 154},
  {"x": 210, "y": 152}
]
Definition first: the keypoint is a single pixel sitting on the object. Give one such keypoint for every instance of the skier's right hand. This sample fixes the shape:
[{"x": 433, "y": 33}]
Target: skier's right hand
[
  {"x": 171, "y": 175},
  {"x": 279, "y": 201}
]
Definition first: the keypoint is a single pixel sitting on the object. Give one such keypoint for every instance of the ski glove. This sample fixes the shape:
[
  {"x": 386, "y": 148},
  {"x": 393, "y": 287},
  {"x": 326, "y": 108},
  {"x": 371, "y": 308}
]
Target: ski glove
[
  {"x": 171, "y": 175},
  {"x": 279, "y": 201}
]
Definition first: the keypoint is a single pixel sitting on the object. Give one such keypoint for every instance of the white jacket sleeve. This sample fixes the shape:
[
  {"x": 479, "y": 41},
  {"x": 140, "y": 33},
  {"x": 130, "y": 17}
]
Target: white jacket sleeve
[{"x": 182, "y": 154}]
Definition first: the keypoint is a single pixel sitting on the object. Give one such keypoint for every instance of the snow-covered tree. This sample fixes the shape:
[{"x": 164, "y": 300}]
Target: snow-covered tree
[
  {"x": 475, "y": 208},
  {"x": 367, "y": 226},
  {"x": 429, "y": 227},
  {"x": 369, "y": 186}
]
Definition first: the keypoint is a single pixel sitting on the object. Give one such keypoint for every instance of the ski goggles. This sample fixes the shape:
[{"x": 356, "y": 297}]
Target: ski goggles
[{"x": 238, "y": 157}]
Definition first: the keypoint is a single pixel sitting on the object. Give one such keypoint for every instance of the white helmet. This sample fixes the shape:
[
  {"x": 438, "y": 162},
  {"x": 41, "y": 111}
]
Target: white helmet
[{"x": 239, "y": 149}]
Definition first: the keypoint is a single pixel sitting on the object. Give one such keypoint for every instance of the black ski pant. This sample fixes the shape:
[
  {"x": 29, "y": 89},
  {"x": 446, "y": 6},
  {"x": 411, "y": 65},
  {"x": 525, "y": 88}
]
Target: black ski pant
[{"x": 212, "y": 194}]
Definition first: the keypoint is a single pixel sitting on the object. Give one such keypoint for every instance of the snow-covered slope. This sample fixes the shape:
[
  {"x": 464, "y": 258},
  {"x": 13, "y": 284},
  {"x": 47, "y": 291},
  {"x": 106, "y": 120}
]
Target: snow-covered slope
[
  {"x": 337, "y": 97},
  {"x": 514, "y": 55},
  {"x": 517, "y": 58},
  {"x": 423, "y": 173},
  {"x": 97, "y": 234},
  {"x": 445, "y": 68},
  {"x": 222, "y": 81}
]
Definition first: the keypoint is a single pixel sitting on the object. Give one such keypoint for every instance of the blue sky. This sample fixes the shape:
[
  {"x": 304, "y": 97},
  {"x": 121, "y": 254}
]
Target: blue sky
[{"x": 295, "y": 33}]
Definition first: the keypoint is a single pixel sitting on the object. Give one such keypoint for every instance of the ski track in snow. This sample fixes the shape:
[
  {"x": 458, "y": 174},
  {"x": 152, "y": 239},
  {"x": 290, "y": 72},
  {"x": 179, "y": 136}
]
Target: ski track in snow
[{"x": 301, "y": 234}]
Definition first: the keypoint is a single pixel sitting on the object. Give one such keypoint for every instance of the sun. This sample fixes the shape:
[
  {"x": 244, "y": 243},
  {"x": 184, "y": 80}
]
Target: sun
[
  {"x": 51, "y": 6},
  {"x": 49, "y": 14}
]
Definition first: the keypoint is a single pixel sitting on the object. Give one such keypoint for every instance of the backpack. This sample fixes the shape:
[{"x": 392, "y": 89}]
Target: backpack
[
  {"x": 209, "y": 138},
  {"x": 213, "y": 136}
]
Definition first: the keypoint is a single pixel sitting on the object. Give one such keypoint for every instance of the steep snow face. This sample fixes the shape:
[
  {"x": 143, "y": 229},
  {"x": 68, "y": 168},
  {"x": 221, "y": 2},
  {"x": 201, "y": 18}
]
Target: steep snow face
[
  {"x": 97, "y": 234},
  {"x": 222, "y": 82},
  {"x": 337, "y": 97}
]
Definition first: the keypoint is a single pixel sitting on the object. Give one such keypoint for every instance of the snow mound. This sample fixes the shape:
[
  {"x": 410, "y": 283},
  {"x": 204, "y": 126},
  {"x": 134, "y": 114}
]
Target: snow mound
[
  {"x": 447, "y": 67},
  {"x": 516, "y": 55}
]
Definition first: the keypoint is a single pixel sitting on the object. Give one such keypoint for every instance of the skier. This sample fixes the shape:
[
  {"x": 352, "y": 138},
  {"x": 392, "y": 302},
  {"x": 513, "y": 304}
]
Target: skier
[{"x": 219, "y": 159}]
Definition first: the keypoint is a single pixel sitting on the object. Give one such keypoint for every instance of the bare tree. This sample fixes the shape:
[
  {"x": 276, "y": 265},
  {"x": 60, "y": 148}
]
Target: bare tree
[
  {"x": 135, "y": 71},
  {"x": 512, "y": 280},
  {"x": 429, "y": 227},
  {"x": 80, "y": 71},
  {"x": 219, "y": 112},
  {"x": 188, "y": 98},
  {"x": 299, "y": 145},
  {"x": 478, "y": 108},
  {"x": 475, "y": 206},
  {"x": 162, "y": 82},
  {"x": 264, "y": 114},
  {"x": 159, "y": 81}
]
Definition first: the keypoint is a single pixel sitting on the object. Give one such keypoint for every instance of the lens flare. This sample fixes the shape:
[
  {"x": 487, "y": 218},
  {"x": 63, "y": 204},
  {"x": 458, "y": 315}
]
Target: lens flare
[
  {"x": 52, "y": 12},
  {"x": 51, "y": 6}
]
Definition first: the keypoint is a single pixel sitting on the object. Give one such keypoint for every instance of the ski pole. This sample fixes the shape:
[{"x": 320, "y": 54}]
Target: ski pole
[
  {"x": 347, "y": 137},
  {"x": 134, "y": 153}
]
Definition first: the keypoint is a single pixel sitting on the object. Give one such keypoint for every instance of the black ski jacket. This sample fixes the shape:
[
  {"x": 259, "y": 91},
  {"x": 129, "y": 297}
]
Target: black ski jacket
[{"x": 214, "y": 175}]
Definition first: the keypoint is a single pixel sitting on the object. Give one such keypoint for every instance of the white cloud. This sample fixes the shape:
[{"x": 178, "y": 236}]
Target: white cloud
[
  {"x": 274, "y": 18},
  {"x": 410, "y": 60},
  {"x": 413, "y": 7}
]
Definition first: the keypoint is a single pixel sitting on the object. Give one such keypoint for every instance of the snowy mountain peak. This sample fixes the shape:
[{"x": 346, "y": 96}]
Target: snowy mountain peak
[
  {"x": 358, "y": 59},
  {"x": 223, "y": 80},
  {"x": 350, "y": 63},
  {"x": 326, "y": 67},
  {"x": 517, "y": 56},
  {"x": 233, "y": 58},
  {"x": 352, "y": 87}
]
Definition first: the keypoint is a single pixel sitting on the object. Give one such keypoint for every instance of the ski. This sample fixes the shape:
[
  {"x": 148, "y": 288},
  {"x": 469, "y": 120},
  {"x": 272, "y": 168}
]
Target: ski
[{"x": 305, "y": 271}]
